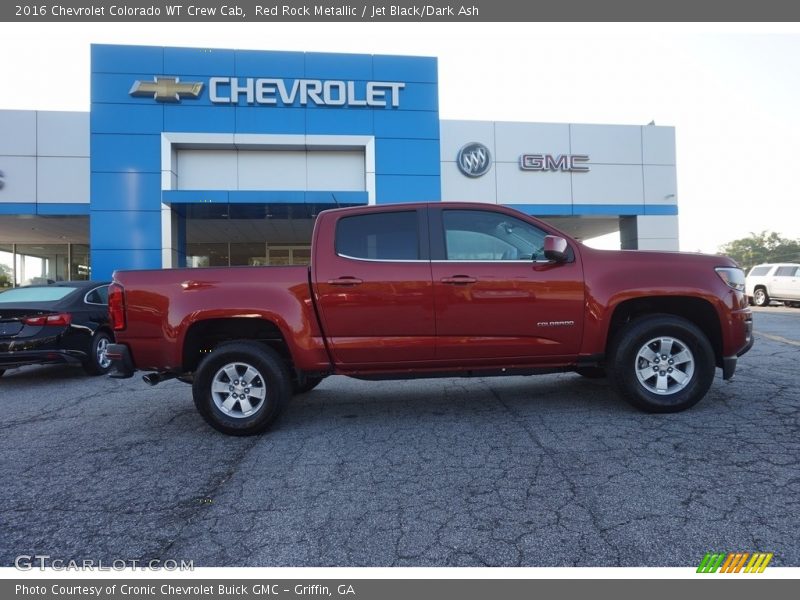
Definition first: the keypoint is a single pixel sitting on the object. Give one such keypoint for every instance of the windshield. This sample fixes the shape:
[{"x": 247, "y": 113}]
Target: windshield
[{"x": 35, "y": 294}]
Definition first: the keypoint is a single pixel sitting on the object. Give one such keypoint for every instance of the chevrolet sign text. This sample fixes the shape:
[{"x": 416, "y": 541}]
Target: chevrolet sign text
[{"x": 232, "y": 90}]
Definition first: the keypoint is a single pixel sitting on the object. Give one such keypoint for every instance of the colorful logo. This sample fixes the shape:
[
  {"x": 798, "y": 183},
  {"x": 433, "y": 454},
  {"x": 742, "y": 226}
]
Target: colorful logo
[{"x": 735, "y": 562}]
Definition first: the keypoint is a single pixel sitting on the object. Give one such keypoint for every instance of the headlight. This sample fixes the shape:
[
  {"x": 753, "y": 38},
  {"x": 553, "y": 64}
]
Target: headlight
[{"x": 733, "y": 277}]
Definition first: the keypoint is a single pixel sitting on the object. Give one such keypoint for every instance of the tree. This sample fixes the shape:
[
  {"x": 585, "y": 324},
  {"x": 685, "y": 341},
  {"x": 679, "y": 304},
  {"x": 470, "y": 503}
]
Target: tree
[{"x": 764, "y": 247}]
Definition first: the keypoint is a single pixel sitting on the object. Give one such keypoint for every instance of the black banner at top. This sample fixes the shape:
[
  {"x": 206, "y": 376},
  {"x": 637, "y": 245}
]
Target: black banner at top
[{"x": 399, "y": 10}]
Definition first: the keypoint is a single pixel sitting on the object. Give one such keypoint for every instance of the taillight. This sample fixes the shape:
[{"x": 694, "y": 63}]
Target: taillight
[
  {"x": 116, "y": 306},
  {"x": 60, "y": 319}
]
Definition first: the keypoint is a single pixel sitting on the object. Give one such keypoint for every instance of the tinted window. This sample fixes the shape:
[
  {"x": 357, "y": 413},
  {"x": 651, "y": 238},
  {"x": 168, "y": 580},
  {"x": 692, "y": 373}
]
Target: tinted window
[
  {"x": 35, "y": 294},
  {"x": 379, "y": 236},
  {"x": 98, "y": 296},
  {"x": 759, "y": 271},
  {"x": 483, "y": 235},
  {"x": 786, "y": 271}
]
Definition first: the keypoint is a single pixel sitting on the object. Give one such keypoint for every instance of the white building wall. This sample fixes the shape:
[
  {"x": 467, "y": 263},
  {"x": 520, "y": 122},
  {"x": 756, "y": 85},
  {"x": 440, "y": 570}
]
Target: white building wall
[
  {"x": 632, "y": 173},
  {"x": 44, "y": 157}
]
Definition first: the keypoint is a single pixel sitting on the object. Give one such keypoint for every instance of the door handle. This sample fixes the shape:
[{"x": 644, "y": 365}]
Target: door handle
[
  {"x": 345, "y": 281},
  {"x": 458, "y": 279}
]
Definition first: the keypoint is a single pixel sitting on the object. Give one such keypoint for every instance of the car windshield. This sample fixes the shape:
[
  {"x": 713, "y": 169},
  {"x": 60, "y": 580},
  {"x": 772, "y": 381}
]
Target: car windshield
[{"x": 35, "y": 294}]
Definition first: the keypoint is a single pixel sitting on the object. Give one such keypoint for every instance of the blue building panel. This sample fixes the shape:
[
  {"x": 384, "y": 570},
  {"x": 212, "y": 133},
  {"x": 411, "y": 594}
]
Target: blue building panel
[
  {"x": 393, "y": 189},
  {"x": 419, "y": 96},
  {"x": 407, "y": 124},
  {"x": 125, "y": 229},
  {"x": 194, "y": 196},
  {"x": 105, "y": 261},
  {"x": 339, "y": 121},
  {"x": 266, "y": 197},
  {"x": 407, "y": 157},
  {"x": 128, "y": 153},
  {"x": 198, "y": 61},
  {"x": 259, "y": 119},
  {"x": 215, "y": 119},
  {"x": 126, "y": 118},
  {"x": 126, "y": 59},
  {"x": 125, "y": 216},
  {"x": 337, "y": 198},
  {"x": 125, "y": 190},
  {"x": 62, "y": 208},
  {"x": 405, "y": 68},
  {"x": 322, "y": 65},
  {"x": 17, "y": 208},
  {"x": 254, "y": 63},
  {"x": 114, "y": 88}
]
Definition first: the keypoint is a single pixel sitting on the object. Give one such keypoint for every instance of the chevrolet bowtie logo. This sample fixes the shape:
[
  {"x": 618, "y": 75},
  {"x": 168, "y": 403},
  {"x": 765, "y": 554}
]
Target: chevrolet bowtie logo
[{"x": 166, "y": 89}]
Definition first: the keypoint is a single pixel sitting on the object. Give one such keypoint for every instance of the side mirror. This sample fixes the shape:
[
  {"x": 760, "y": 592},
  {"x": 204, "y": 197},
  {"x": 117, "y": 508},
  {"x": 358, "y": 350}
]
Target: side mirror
[{"x": 555, "y": 248}]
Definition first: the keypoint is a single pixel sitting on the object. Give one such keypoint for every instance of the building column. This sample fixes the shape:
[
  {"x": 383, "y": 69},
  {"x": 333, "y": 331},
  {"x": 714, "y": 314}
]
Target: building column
[{"x": 649, "y": 232}]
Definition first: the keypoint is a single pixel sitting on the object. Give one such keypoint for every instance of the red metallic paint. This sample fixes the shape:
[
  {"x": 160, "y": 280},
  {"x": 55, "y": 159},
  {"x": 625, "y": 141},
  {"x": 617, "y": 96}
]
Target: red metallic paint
[{"x": 406, "y": 317}]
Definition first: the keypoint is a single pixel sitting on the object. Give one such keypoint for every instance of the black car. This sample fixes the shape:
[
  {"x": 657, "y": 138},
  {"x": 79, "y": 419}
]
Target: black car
[{"x": 65, "y": 322}]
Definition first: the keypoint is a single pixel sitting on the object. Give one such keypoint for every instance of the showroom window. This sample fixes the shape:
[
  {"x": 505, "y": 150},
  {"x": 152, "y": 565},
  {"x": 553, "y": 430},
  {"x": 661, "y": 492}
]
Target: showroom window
[{"x": 29, "y": 264}]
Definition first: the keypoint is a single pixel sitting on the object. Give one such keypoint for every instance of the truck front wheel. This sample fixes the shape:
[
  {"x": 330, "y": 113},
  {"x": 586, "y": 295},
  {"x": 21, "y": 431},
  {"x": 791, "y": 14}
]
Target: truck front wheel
[
  {"x": 241, "y": 388},
  {"x": 662, "y": 363}
]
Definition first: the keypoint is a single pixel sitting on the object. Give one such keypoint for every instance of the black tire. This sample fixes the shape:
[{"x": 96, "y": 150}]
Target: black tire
[
  {"x": 226, "y": 410},
  {"x": 592, "y": 372},
  {"x": 675, "y": 386},
  {"x": 760, "y": 297},
  {"x": 98, "y": 363},
  {"x": 305, "y": 384}
]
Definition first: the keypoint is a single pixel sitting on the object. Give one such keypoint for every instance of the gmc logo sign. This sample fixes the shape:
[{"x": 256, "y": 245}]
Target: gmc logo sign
[{"x": 549, "y": 162}]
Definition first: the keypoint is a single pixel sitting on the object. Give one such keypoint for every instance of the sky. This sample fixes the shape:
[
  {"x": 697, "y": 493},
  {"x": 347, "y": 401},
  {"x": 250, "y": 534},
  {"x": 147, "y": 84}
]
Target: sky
[{"x": 731, "y": 91}]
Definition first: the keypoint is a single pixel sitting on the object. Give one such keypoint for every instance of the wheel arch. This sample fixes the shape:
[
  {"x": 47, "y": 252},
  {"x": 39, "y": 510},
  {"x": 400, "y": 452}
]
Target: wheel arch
[
  {"x": 698, "y": 311},
  {"x": 204, "y": 335}
]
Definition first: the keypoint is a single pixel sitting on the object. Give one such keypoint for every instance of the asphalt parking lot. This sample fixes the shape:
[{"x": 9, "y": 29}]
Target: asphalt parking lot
[{"x": 544, "y": 471}]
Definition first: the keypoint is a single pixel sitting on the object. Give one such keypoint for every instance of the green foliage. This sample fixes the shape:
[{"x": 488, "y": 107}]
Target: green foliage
[{"x": 764, "y": 247}]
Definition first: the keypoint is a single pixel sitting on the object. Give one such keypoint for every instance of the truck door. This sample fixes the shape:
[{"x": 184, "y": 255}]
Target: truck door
[
  {"x": 493, "y": 300},
  {"x": 373, "y": 287}
]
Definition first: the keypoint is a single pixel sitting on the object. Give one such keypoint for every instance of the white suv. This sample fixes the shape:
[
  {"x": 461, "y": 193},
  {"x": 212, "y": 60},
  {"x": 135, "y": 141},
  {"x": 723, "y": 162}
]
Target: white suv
[{"x": 779, "y": 281}]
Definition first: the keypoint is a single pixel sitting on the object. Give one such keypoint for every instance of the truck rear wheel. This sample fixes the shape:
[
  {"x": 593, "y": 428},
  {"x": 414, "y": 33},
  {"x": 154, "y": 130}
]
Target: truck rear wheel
[
  {"x": 662, "y": 364},
  {"x": 241, "y": 388}
]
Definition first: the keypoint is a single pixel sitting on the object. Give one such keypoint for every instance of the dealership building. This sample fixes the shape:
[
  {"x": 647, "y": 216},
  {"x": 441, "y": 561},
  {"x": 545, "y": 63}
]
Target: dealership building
[{"x": 196, "y": 157}]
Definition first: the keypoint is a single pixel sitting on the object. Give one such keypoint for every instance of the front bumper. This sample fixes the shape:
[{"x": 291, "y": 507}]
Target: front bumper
[
  {"x": 121, "y": 361},
  {"x": 729, "y": 362}
]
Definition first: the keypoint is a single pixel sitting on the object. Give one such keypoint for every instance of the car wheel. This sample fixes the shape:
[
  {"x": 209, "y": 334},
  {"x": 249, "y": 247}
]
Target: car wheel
[
  {"x": 591, "y": 372},
  {"x": 98, "y": 362},
  {"x": 305, "y": 384},
  {"x": 760, "y": 297},
  {"x": 241, "y": 388},
  {"x": 662, "y": 364}
]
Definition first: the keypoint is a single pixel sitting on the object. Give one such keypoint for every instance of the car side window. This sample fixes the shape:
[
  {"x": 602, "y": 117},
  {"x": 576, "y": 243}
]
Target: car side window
[
  {"x": 484, "y": 235},
  {"x": 785, "y": 271},
  {"x": 98, "y": 295},
  {"x": 379, "y": 236},
  {"x": 759, "y": 271}
]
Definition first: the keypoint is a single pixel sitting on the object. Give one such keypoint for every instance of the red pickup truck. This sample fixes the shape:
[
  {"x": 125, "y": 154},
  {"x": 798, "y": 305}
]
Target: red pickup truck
[{"x": 427, "y": 290}]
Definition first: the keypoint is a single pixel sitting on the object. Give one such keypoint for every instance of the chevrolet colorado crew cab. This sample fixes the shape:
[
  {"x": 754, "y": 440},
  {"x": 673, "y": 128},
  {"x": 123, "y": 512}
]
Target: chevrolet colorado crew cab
[{"x": 426, "y": 290}]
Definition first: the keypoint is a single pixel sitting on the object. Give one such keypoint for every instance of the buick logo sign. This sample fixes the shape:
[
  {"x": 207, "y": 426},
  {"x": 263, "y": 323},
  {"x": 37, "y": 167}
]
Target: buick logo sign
[{"x": 474, "y": 160}]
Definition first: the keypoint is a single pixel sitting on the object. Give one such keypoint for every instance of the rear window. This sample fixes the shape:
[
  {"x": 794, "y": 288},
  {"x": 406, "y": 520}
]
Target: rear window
[
  {"x": 35, "y": 294},
  {"x": 786, "y": 271},
  {"x": 379, "y": 236},
  {"x": 759, "y": 271},
  {"x": 98, "y": 295}
]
